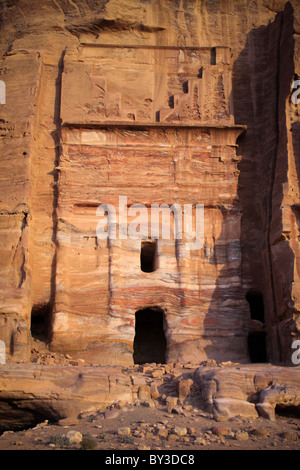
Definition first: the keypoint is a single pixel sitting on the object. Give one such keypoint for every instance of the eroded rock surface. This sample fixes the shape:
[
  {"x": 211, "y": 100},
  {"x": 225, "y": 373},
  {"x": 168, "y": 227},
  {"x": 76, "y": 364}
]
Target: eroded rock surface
[
  {"x": 64, "y": 394},
  {"x": 150, "y": 100},
  {"x": 30, "y": 392},
  {"x": 249, "y": 390}
]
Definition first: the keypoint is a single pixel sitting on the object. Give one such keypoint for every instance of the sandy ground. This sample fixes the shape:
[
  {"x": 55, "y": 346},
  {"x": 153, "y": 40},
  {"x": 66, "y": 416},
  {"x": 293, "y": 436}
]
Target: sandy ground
[{"x": 156, "y": 429}]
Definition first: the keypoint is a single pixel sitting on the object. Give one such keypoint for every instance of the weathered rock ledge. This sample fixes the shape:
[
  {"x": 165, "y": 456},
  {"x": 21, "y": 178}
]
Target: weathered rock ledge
[
  {"x": 249, "y": 390},
  {"x": 30, "y": 391}
]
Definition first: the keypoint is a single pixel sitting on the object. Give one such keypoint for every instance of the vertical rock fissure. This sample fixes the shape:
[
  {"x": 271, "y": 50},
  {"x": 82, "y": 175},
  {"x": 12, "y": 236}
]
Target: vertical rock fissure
[
  {"x": 273, "y": 169},
  {"x": 278, "y": 169},
  {"x": 56, "y": 135}
]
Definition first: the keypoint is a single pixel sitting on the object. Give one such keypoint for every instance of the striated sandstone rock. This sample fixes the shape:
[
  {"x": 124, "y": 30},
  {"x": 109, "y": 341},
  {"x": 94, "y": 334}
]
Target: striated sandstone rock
[
  {"x": 150, "y": 101},
  {"x": 29, "y": 392},
  {"x": 249, "y": 390}
]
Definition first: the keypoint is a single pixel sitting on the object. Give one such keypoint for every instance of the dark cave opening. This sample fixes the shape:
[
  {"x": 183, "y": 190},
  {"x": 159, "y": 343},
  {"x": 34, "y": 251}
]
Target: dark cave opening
[
  {"x": 287, "y": 411},
  {"x": 257, "y": 347},
  {"x": 213, "y": 56},
  {"x": 40, "y": 321},
  {"x": 150, "y": 341},
  {"x": 256, "y": 304},
  {"x": 148, "y": 256},
  {"x": 257, "y": 339}
]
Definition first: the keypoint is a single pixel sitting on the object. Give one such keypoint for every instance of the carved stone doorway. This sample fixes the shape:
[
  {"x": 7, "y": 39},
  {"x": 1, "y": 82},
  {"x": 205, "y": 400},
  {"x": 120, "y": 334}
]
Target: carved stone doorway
[{"x": 149, "y": 341}]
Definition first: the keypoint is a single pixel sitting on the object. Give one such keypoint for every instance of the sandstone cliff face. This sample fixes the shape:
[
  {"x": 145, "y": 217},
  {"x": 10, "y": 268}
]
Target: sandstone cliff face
[{"x": 148, "y": 100}]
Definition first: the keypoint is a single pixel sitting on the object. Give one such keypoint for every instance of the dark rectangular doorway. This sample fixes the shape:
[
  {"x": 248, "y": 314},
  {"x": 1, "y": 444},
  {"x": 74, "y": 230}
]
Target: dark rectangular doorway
[
  {"x": 148, "y": 256},
  {"x": 257, "y": 339},
  {"x": 149, "y": 342}
]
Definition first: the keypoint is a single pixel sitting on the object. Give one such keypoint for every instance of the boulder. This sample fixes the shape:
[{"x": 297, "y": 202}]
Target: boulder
[
  {"x": 249, "y": 390},
  {"x": 29, "y": 393}
]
